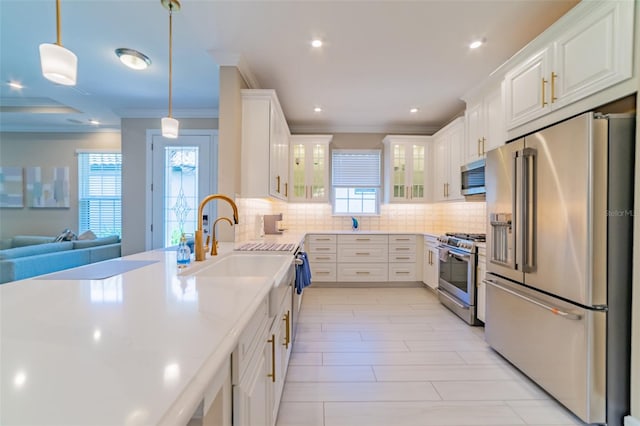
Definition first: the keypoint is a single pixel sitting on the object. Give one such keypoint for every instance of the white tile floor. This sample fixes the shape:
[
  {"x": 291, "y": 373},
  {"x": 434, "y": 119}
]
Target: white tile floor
[{"x": 396, "y": 357}]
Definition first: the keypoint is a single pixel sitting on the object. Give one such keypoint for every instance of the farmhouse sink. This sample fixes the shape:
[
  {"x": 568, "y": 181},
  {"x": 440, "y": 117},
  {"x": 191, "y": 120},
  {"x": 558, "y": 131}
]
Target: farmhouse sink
[{"x": 245, "y": 265}]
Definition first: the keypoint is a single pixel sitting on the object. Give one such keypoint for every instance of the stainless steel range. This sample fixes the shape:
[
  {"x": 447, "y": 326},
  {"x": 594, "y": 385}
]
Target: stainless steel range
[{"x": 458, "y": 255}]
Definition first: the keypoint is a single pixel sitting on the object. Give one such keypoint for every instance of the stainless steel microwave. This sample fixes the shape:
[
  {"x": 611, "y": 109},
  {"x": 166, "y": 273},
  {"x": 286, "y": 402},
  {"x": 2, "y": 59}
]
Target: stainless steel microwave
[{"x": 472, "y": 178}]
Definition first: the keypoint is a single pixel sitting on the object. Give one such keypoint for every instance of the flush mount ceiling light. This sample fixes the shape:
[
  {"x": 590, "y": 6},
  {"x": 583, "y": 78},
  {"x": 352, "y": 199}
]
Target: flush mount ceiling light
[
  {"x": 170, "y": 125},
  {"x": 58, "y": 64},
  {"x": 133, "y": 59},
  {"x": 317, "y": 109},
  {"x": 413, "y": 110},
  {"x": 316, "y": 42},
  {"x": 94, "y": 122}
]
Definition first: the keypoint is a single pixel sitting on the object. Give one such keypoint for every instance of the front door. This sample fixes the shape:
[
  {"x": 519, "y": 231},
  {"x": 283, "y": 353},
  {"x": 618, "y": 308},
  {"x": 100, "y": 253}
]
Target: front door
[{"x": 181, "y": 176}]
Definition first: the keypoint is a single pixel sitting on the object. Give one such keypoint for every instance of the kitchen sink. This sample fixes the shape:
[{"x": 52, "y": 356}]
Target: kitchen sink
[{"x": 244, "y": 265}]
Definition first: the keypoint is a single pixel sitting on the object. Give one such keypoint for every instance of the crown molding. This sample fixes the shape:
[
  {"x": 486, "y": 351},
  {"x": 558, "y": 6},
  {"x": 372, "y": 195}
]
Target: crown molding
[{"x": 229, "y": 59}]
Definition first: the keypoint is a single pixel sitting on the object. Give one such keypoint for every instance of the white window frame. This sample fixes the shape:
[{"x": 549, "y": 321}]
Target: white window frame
[
  {"x": 83, "y": 196},
  {"x": 358, "y": 180}
]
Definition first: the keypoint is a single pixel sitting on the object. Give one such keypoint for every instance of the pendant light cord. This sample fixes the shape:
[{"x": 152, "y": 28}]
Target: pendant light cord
[
  {"x": 170, "y": 52},
  {"x": 59, "y": 40}
]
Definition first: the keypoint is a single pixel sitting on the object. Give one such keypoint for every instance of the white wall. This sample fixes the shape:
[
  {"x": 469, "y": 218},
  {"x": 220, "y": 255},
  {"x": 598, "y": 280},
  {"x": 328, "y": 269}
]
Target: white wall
[{"x": 47, "y": 149}]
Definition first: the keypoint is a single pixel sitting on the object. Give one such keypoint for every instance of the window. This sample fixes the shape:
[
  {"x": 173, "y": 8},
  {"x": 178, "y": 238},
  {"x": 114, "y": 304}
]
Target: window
[
  {"x": 99, "y": 192},
  {"x": 355, "y": 179}
]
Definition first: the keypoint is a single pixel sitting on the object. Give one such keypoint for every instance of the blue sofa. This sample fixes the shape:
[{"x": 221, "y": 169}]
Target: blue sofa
[{"x": 26, "y": 256}]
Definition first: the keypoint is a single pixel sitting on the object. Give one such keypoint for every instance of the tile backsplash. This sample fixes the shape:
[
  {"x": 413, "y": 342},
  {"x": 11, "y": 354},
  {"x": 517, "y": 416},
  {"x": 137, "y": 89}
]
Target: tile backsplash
[{"x": 304, "y": 217}]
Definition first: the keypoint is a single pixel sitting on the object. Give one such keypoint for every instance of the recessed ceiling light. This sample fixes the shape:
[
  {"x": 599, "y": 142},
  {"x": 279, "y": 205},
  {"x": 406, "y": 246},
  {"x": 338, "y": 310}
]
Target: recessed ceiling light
[
  {"x": 15, "y": 85},
  {"x": 316, "y": 42},
  {"x": 475, "y": 44},
  {"x": 317, "y": 109},
  {"x": 94, "y": 122},
  {"x": 133, "y": 59},
  {"x": 413, "y": 110}
]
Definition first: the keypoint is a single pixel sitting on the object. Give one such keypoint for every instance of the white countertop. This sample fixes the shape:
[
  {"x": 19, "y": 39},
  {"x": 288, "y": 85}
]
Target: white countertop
[{"x": 135, "y": 348}]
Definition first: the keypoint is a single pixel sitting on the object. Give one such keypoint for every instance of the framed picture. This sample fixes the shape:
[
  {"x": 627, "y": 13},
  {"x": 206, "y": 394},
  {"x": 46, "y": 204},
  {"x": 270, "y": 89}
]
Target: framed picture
[
  {"x": 11, "y": 189},
  {"x": 47, "y": 187}
]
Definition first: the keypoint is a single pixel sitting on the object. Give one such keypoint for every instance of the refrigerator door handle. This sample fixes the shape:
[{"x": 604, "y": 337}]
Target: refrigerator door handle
[
  {"x": 528, "y": 206},
  {"x": 553, "y": 309}
]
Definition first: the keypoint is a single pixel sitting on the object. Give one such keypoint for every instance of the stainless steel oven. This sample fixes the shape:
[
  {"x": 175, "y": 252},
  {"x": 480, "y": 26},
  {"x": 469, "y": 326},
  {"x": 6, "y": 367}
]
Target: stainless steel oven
[{"x": 457, "y": 280}]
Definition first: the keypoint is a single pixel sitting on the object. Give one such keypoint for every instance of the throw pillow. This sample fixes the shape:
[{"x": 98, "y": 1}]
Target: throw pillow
[
  {"x": 87, "y": 235},
  {"x": 67, "y": 235}
]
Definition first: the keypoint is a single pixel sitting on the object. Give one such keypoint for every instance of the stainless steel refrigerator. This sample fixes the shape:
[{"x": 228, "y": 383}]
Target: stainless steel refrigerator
[{"x": 559, "y": 251}]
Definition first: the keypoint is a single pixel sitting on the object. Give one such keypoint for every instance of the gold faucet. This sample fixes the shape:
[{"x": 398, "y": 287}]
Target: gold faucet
[
  {"x": 200, "y": 251},
  {"x": 214, "y": 245}
]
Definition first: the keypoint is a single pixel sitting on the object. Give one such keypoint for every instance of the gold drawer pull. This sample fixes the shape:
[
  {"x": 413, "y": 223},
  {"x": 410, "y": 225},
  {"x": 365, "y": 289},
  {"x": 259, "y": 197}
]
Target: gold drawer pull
[
  {"x": 362, "y": 272},
  {"x": 273, "y": 358}
]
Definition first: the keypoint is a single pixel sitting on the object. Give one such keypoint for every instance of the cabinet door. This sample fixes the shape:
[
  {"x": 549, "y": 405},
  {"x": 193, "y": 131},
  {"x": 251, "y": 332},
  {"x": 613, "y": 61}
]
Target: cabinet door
[
  {"x": 456, "y": 159},
  {"x": 431, "y": 267},
  {"x": 251, "y": 398},
  {"x": 493, "y": 118},
  {"x": 595, "y": 53},
  {"x": 318, "y": 166},
  {"x": 475, "y": 132},
  {"x": 441, "y": 168},
  {"x": 299, "y": 189},
  {"x": 418, "y": 173},
  {"x": 279, "y": 155},
  {"x": 399, "y": 173},
  {"x": 527, "y": 90}
]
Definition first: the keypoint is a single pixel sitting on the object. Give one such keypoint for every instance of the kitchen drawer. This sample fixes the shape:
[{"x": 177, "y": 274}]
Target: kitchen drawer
[
  {"x": 363, "y": 253},
  {"x": 402, "y": 272},
  {"x": 402, "y": 249},
  {"x": 250, "y": 340},
  {"x": 363, "y": 272},
  {"x": 321, "y": 247},
  {"x": 365, "y": 239},
  {"x": 322, "y": 257},
  {"x": 323, "y": 272},
  {"x": 402, "y": 239},
  {"x": 406, "y": 257},
  {"x": 321, "y": 239}
]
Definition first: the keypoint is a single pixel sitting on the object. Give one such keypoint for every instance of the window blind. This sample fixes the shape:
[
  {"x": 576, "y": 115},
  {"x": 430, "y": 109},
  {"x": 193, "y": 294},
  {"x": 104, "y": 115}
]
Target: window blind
[
  {"x": 99, "y": 192},
  {"x": 355, "y": 168}
]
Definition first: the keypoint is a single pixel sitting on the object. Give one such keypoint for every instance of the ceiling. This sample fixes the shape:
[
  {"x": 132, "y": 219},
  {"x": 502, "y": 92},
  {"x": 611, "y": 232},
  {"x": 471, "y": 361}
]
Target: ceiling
[{"x": 379, "y": 59}]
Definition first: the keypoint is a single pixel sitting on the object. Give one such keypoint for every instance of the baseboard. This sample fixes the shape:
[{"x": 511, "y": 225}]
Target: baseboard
[
  {"x": 631, "y": 421},
  {"x": 367, "y": 284}
]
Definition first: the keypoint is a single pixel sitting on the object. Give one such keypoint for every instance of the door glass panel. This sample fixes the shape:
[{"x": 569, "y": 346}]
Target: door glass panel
[
  {"x": 418, "y": 172},
  {"x": 298, "y": 171},
  {"x": 181, "y": 192},
  {"x": 319, "y": 154},
  {"x": 399, "y": 167}
]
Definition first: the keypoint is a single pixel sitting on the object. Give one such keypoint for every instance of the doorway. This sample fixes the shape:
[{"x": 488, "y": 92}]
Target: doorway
[{"x": 183, "y": 171}]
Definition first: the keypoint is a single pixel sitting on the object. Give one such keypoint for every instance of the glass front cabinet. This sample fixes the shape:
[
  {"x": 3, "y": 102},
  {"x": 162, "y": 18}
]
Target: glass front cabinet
[
  {"x": 406, "y": 168},
  {"x": 309, "y": 168}
]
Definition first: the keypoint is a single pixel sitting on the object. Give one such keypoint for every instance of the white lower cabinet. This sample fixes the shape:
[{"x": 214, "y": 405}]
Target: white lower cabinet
[
  {"x": 363, "y": 257},
  {"x": 403, "y": 256},
  {"x": 260, "y": 364},
  {"x": 480, "y": 276},
  {"x": 430, "y": 263},
  {"x": 322, "y": 254}
]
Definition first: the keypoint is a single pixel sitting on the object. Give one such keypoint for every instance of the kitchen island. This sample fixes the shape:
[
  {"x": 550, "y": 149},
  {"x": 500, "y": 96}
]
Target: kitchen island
[{"x": 145, "y": 346}]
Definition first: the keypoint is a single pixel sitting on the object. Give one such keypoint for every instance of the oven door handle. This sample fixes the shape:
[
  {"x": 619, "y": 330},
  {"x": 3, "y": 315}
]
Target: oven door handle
[{"x": 460, "y": 255}]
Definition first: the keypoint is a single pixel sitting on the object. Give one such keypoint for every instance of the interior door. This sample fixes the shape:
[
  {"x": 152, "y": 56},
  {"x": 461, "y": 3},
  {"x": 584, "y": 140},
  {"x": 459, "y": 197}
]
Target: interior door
[{"x": 181, "y": 176}]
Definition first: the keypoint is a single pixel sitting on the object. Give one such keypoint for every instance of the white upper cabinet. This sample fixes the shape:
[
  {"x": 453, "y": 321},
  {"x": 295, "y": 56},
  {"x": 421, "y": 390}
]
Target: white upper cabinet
[
  {"x": 448, "y": 157},
  {"x": 484, "y": 120},
  {"x": 265, "y": 146},
  {"x": 593, "y": 51},
  {"x": 309, "y": 168},
  {"x": 406, "y": 162}
]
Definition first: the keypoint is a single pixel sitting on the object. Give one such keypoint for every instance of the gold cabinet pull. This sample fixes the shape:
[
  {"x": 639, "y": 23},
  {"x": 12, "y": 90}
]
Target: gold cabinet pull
[
  {"x": 444, "y": 189},
  {"x": 362, "y": 272},
  {"x": 553, "y": 87},
  {"x": 544, "y": 102},
  {"x": 278, "y": 183},
  {"x": 363, "y": 254},
  {"x": 287, "y": 334},
  {"x": 484, "y": 151},
  {"x": 273, "y": 358},
  {"x": 286, "y": 189},
  {"x": 479, "y": 149},
  {"x": 430, "y": 257}
]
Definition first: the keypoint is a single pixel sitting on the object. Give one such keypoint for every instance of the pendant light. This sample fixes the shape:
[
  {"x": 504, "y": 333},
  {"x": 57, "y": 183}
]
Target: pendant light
[
  {"x": 169, "y": 124},
  {"x": 58, "y": 64}
]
